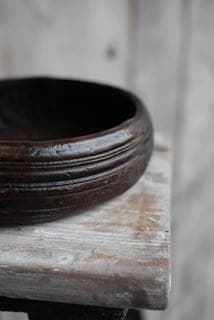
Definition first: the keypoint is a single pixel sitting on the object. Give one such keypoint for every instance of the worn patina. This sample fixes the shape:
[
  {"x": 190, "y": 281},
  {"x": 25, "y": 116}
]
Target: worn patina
[{"x": 67, "y": 145}]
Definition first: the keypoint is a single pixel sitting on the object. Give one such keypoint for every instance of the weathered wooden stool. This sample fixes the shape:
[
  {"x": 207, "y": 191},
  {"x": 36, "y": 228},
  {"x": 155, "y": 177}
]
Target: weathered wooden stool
[{"x": 94, "y": 265}]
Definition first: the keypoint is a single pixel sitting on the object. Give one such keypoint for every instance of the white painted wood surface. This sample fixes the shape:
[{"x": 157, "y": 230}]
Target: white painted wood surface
[
  {"x": 192, "y": 214},
  {"x": 83, "y": 39},
  {"x": 116, "y": 254},
  {"x": 154, "y": 58}
]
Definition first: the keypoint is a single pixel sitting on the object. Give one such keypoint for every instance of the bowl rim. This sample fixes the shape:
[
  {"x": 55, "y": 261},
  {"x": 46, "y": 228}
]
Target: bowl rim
[{"x": 121, "y": 133}]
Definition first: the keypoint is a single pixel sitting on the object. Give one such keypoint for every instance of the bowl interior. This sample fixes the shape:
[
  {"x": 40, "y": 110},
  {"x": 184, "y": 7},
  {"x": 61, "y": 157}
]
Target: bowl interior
[{"x": 45, "y": 109}]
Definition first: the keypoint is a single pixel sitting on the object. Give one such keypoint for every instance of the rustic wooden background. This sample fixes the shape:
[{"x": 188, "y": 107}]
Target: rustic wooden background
[{"x": 164, "y": 51}]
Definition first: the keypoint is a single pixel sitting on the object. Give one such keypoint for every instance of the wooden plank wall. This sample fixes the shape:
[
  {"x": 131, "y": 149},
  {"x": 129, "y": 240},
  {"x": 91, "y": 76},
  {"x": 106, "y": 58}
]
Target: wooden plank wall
[
  {"x": 164, "y": 51},
  {"x": 155, "y": 71},
  {"x": 192, "y": 214},
  {"x": 67, "y": 38}
]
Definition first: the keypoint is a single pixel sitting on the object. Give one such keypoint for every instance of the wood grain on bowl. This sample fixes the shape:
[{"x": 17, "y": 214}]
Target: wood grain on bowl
[{"x": 66, "y": 145}]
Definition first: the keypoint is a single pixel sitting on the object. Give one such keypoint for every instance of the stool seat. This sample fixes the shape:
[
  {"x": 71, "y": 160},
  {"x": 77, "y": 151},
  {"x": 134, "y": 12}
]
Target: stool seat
[{"x": 114, "y": 255}]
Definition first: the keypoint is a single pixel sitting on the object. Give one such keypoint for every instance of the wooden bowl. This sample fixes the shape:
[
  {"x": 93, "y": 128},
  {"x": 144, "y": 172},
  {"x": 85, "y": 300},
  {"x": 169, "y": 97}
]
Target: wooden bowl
[{"x": 66, "y": 145}]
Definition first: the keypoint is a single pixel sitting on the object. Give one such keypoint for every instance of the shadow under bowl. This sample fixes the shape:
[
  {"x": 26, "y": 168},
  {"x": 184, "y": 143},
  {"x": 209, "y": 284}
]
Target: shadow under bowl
[{"x": 66, "y": 145}]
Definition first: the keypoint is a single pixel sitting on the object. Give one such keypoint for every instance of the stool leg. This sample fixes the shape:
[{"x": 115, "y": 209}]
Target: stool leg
[
  {"x": 43, "y": 310},
  {"x": 135, "y": 315},
  {"x": 131, "y": 315},
  {"x": 79, "y": 313}
]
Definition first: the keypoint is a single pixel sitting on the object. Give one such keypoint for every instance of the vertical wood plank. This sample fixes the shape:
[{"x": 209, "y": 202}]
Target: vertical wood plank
[
  {"x": 155, "y": 71},
  {"x": 195, "y": 258},
  {"x": 83, "y": 39},
  {"x": 193, "y": 283}
]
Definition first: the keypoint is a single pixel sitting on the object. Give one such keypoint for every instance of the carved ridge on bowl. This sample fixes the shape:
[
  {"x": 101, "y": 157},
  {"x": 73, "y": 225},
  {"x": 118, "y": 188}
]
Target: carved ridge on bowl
[{"x": 48, "y": 179}]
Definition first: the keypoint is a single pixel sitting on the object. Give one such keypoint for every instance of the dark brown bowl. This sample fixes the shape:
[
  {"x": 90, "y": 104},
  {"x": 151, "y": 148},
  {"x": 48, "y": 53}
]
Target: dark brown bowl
[{"x": 66, "y": 145}]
